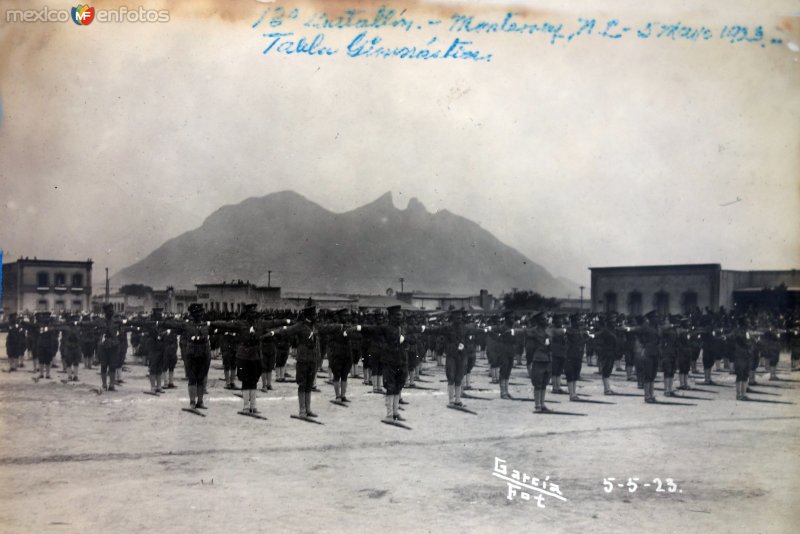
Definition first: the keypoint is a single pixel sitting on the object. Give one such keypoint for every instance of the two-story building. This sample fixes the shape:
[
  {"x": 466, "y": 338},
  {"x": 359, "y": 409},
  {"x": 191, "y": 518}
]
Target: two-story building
[{"x": 57, "y": 286}]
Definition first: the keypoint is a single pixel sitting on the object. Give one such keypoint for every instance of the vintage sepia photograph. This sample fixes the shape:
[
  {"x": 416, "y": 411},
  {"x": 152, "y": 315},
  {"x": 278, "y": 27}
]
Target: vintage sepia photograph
[{"x": 436, "y": 266}]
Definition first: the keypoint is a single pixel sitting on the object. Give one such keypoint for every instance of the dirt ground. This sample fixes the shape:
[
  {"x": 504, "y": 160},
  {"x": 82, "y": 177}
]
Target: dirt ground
[{"x": 72, "y": 460}]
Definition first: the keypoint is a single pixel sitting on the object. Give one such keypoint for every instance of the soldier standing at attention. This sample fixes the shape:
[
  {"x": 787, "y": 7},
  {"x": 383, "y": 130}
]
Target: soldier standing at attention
[
  {"x": 170, "y": 358},
  {"x": 155, "y": 351},
  {"x": 503, "y": 342},
  {"x": 538, "y": 342},
  {"x": 197, "y": 357},
  {"x": 573, "y": 360},
  {"x": 650, "y": 337},
  {"x": 15, "y": 343},
  {"x": 71, "y": 349},
  {"x": 108, "y": 348},
  {"x": 340, "y": 359},
  {"x": 306, "y": 337},
  {"x": 227, "y": 347},
  {"x": 606, "y": 349},
  {"x": 669, "y": 357}
]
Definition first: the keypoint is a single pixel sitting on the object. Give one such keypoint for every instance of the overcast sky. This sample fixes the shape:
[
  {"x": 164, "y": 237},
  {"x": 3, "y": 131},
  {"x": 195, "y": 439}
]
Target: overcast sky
[{"x": 116, "y": 137}]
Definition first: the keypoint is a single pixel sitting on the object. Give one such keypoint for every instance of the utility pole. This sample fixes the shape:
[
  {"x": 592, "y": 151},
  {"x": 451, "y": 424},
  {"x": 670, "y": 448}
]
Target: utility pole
[
  {"x": 582, "y": 288},
  {"x": 401, "y": 284},
  {"x": 269, "y": 278},
  {"x": 107, "y": 288}
]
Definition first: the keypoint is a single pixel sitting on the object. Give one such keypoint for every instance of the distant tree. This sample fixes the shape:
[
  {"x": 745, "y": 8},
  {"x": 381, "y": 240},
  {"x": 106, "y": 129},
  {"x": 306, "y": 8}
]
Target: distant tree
[
  {"x": 528, "y": 300},
  {"x": 136, "y": 290}
]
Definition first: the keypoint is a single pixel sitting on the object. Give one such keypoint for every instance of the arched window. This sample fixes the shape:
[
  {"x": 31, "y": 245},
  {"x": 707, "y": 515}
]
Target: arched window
[
  {"x": 611, "y": 302},
  {"x": 661, "y": 303},
  {"x": 689, "y": 301},
  {"x": 634, "y": 303}
]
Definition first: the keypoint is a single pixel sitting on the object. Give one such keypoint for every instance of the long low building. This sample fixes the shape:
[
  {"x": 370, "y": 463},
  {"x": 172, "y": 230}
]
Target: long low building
[{"x": 672, "y": 289}]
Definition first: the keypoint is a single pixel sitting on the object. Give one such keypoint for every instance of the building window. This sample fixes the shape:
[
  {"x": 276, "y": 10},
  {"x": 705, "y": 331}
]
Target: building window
[
  {"x": 77, "y": 280},
  {"x": 634, "y": 303},
  {"x": 41, "y": 305},
  {"x": 77, "y": 305},
  {"x": 60, "y": 307},
  {"x": 611, "y": 302},
  {"x": 662, "y": 303},
  {"x": 60, "y": 279},
  {"x": 42, "y": 279},
  {"x": 180, "y": 307},
  {"x": 689, "y": 302}
]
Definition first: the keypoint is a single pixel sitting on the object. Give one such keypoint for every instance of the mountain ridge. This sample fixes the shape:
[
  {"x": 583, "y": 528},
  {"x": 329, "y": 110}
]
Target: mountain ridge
[{"x": 367, "y": 249}]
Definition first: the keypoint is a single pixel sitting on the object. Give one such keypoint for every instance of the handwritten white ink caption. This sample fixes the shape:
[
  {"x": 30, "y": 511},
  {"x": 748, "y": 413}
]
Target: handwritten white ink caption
[
  {"x": 633, "y": 484},
  {"x": 524, "y": 486}
]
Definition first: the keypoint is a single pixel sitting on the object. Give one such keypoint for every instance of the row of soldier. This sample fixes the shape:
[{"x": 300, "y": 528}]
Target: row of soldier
[{"x": 392, "y": 347}]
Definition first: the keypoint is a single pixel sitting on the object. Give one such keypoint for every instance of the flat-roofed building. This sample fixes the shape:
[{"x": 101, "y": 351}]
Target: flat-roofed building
[{"x": 57, "y": 286}]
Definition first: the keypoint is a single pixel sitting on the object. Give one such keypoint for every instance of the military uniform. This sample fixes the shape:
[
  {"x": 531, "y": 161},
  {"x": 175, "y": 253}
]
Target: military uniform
[
  {"x": 15, "y": 345},
  {"x": 538, "y": 346}
]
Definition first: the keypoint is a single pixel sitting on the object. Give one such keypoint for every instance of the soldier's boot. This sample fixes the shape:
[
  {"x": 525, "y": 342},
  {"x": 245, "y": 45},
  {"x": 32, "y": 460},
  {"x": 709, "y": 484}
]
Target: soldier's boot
[
  {"x": 396, "y": 408},
  {"x": 773, "y": 372},
  {"x": 537, "y": 403},
  {"x": 344, "y": 391},
  {"x": 629, "y": 374},
  {"x": 572, "y": 387},
  {"x": 205, "y": 385},
  {"x": 159, "y": 383},
  {"x": 380, "y": 383},
  {"x": 751, "y": 379},
  {"x": 308, "y": 405},
  {"x": 451, "y": 394},
  {"x": 192, "y": 396},
  {"x": 171, "y": 383},
  {"x": 508, "y": 393},
  {"x": 227, "y": 377},
  {"x": 337, "y": 390},
  {"x": 301, "y": 399},
  {"x": 467, "y": 384},
  {"x": 457, "y": 394},
  {"x": 246, "y": 401},
  {"x": 367, "y": 376},
  {"x": 264, "y": 382},
  {"x": 388, "y": 401},
  {"x": 105, "y": 381},
  {"x": 253, "y": 397},
  {"x": 542, "y": 395},
  {"x": 618, "y": 365},
  {"x": 201, "y": 390},
  {"x": 269, "y": 380},
  {"x": 607, "y": 386},
  {"x": 152, "y": 379}
]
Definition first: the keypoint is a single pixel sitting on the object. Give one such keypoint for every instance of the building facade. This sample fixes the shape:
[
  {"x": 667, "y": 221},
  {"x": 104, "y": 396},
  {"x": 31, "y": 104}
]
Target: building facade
[
  {"x": 674, "y": 289},
  {"x": 56, "y": 286},
  {"x": 232, "y": 296}
]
